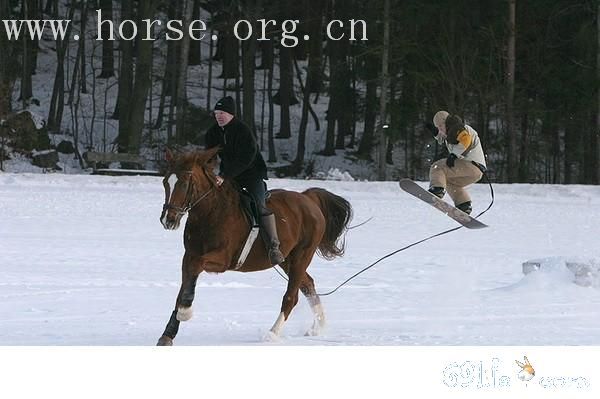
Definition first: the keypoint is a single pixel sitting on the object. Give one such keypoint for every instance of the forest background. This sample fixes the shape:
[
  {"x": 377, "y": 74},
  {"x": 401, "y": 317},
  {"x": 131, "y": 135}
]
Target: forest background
[{"x": 524, "y": 74}]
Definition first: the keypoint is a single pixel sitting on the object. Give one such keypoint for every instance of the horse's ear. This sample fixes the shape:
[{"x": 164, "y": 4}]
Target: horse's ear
[
  {"x": 212, "y": 159},
  {"x": 207, "y": 157},
  {"x": 169, "y": 155},
  {"x": 212, "y": 154},
  {"x": 198, "y": 159}
]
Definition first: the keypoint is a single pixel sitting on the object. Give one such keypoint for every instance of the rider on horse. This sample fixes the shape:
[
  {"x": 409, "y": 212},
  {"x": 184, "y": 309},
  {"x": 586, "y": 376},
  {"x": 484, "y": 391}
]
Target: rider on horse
[{"x": 242, "y": 162}]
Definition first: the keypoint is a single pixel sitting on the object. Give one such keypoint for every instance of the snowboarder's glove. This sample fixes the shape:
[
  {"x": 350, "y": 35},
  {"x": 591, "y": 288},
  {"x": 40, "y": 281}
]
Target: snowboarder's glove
[
  {"x": 431, "y": 127},
  {"x": 450, "y": 160}
]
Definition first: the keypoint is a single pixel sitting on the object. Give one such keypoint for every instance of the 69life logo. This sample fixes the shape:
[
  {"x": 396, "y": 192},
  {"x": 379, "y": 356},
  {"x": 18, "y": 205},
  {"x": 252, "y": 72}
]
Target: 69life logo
[{"x": 491, "y": 375}]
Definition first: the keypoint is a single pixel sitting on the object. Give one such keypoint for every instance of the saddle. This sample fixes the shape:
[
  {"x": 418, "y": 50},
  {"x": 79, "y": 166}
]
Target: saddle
[{"x": 249, "y": 208}]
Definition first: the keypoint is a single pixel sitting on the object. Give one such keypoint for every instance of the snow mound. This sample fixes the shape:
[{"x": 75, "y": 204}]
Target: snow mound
[
  {"x": 38, "y": 120},
  {"x": 581, "y": 271},
  {"x": 335, "y": 174}
]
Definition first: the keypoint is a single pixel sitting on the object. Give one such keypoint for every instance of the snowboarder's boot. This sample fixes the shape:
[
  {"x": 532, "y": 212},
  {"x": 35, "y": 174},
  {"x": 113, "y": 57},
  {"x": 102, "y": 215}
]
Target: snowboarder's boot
[
  {"x": 465, "y": 207},
  {"x": 437, "y": 191}
]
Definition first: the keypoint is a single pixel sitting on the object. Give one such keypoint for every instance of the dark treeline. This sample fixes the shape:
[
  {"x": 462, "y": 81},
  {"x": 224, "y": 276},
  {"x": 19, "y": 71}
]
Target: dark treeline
[{"x": 524, "y": 74}]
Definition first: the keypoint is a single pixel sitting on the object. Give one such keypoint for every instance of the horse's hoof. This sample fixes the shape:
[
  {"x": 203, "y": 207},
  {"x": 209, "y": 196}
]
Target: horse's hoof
[
  {"x": 317, "y": 327},
  {"x": 270, "y": 336},
  {"x": 164, "y": 341},
  {"x": 312, "y": 332},
  {"x": 184, "y": 314}
]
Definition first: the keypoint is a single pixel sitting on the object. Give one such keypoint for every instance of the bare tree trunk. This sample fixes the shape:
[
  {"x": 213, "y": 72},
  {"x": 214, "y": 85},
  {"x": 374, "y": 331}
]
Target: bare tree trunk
[
  {"x": 315, "y": 27},
  {"x": 170, "y": 67},
  {"x": 48, "y": 7},
  {"x": 271, "y": 135},
  {"x": 108, "y": 59},
  {"x": 172, "y": 103},
  {"x": 339, "y": 81},
  {"x": 381, "y": 172},
  {"x": 141, "y": 85},
  {"x": 570, "y": 160},
  {"x": 8, "y": 70},
  {"x": 74, "y": 108},
  {"x": 37, "y": 14},
  {"x": 183, "y": 66},
  {"x": 195, "y": 57},
  {"x": 512, "y": 161},
  {"x": 315, "y": 45},
  {"x": 352, "y": 143},
  {"x": 93, "y": 96},
  {"x": 210, "y": 72},
  {"x": 58, "y": 93},
  {"x": 76, "y": 69},
  {"x": 2, "y": 150},
  {"x": 286, "y": 87},
  {"x": 331, "y": 123},
  {"x": 248, "y": 70},
  {"x": 597, "y": 139},
  {"x": 366, "y": 142},
  {"x": 27, "y": 43},
  {"x": 261, "y": 139},
  {"x": 523, "y": 158},
  {"x": 311, "y": 111},
  {"x": 556, "y": 166},
  {"x": 238, "y": 99},
  {"x": 301, "y": 148},
  {"x": 166, "y": 82},
  {"x": 231, "y": 58},
  {"x": 333, "y": 106},
  {"x": 84, "y": 13},
  {"x": 125, "y": 80}
]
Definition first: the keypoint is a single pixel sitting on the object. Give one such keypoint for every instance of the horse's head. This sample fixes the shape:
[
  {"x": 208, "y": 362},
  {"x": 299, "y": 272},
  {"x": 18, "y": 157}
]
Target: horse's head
[{"x": 189, "y": 179}]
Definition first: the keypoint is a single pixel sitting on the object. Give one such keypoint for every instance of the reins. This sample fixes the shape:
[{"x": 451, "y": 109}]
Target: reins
[{"x": 406, "y": 247}]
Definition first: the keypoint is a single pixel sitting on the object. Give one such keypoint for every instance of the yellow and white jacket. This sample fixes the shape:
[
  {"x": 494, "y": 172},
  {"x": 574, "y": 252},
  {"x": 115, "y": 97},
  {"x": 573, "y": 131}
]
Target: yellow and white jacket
[{"x": 468, "y": 145}]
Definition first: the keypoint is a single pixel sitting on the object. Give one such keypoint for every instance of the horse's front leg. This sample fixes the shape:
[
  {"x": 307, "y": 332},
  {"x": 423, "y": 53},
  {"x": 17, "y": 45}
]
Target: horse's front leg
[
  {"x": 187, "y": 293},
  {"x": 183, "y": 305}
]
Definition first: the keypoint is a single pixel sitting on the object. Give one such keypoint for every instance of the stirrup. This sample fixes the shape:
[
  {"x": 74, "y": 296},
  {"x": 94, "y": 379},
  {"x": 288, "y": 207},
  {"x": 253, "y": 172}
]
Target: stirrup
[{"x": 275, "y": 255}]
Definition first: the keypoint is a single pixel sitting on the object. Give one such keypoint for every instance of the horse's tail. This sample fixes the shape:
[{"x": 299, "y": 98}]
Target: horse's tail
[{"x": 338, "y": 213}]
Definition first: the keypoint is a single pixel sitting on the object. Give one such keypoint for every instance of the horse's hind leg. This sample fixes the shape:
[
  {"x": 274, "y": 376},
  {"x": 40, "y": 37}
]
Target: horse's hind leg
[
  {"x": 308, "y": 289},
  {"x": 297, "y": 262},
  {"x": 295, "y": 274}
]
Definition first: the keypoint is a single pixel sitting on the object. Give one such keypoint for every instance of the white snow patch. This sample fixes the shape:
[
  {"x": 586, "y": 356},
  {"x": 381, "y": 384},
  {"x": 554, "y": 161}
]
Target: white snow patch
[
  {"x": 85, "y": 256},
  {"x": 335, "y": 174}
]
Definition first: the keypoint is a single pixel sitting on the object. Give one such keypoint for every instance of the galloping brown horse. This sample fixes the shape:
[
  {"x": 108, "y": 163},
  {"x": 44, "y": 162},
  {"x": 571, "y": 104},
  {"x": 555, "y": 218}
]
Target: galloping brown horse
[{"x": 216, "y": 230}]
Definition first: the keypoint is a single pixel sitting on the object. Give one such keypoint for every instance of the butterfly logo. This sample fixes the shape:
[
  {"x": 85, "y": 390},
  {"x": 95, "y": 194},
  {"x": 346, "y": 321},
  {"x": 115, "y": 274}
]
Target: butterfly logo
[{"x": 527, "y": 372}]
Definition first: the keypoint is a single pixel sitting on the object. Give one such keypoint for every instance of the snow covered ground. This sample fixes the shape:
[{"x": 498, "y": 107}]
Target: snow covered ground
[{"x": 85, "y": 261}]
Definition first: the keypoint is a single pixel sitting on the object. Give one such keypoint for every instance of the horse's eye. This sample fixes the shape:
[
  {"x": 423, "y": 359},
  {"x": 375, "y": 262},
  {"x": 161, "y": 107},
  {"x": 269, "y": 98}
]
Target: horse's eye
[{"x": 183, "y": 178}]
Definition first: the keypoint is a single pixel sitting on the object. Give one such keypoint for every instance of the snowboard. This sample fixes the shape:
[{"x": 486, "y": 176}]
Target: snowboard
[{"x": 414, "y": 189}]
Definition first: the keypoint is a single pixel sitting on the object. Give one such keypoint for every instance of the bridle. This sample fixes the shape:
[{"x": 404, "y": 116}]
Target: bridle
[{"x": 183, "y": 210}]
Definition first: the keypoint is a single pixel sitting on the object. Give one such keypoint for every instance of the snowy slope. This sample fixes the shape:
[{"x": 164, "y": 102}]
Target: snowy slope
[{"x": 85, "y": 261}]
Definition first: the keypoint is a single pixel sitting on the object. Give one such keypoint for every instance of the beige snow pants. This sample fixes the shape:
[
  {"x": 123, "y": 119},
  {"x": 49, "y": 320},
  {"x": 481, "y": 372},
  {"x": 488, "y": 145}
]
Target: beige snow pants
[{"x": 455, "y": 179}]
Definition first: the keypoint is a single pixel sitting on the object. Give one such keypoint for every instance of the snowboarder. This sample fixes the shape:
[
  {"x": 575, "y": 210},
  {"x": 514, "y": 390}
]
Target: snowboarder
[
  {"x": 242, "y": 162},
  {"x": 465, "y": 163}
]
